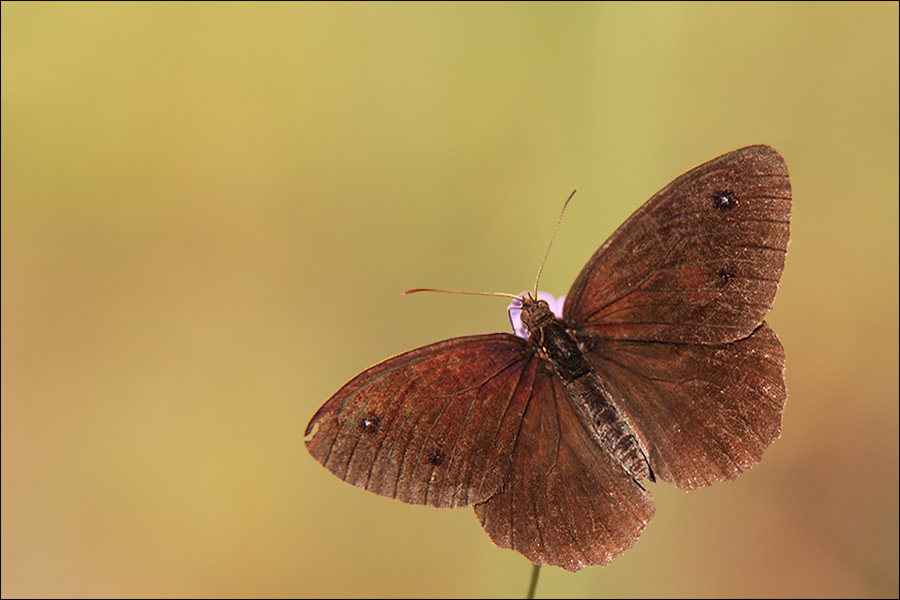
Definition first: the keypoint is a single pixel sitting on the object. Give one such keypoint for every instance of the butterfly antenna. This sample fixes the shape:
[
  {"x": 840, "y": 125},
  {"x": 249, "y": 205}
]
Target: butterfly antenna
[
  {"x": 416, "y": 290},
  {"x": 547, "y": 253}
]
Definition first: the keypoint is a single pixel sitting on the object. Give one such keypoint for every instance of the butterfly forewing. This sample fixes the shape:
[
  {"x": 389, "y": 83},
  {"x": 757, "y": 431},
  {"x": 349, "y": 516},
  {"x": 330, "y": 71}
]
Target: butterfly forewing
[
  {"x": 435, "y": 426},
  {"x": 699, "y": 262}
]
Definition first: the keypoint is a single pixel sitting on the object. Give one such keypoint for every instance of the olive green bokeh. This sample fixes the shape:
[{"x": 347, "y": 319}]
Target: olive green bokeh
[{"x": 209, "y": 212}]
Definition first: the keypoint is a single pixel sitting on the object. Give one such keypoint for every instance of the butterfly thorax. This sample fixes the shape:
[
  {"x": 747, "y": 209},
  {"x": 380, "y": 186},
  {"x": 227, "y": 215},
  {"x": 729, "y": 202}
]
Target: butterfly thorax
[{"x": 585, "y": 390}]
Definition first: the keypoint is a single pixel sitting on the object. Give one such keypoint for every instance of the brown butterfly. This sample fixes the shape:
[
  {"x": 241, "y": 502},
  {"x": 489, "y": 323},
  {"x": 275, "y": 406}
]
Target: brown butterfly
[{"x": 661, "y": 367}]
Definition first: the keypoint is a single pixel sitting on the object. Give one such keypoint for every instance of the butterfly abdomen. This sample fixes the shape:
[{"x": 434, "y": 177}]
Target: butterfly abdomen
[{"x": 598, "y": 413}]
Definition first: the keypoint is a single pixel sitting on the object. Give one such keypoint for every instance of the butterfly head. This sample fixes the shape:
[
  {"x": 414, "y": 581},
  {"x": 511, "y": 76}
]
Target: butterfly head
[{"x": 527, "y": 313}]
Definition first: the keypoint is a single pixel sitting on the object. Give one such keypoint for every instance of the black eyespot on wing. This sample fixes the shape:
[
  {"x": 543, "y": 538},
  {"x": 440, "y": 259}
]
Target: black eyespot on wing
[
  {"x": 370, "y": 425},
  {"x": 725, "y": 275},
  {"x": 437, "y": 458},
  {"x": 724, "y": 199}
]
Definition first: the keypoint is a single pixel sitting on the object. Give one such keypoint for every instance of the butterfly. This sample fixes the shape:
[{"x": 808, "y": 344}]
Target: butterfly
[{"x": 660, "y": 367}]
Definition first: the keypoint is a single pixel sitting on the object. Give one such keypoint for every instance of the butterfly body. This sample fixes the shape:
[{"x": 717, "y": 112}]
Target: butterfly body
[
  {"x": 660, "y": 367},
  {"x": 590, "y": 400}
]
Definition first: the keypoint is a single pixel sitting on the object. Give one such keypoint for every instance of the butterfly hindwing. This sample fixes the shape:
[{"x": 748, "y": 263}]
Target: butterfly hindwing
[
  {"x": 704, "y": 412},
  {"x": 565, "y": 503}
]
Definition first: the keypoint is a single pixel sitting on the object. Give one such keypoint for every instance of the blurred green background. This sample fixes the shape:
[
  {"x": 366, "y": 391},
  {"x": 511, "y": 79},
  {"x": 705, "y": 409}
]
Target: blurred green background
[{"x": 209, "y": 212}]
